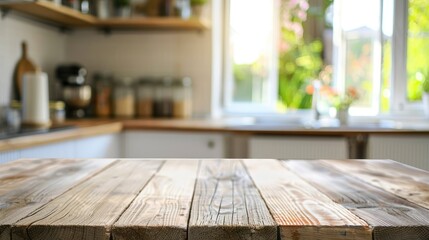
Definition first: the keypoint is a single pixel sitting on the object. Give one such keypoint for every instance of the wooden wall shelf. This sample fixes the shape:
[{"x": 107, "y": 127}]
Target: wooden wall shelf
[{"x": 70, "y": 18}]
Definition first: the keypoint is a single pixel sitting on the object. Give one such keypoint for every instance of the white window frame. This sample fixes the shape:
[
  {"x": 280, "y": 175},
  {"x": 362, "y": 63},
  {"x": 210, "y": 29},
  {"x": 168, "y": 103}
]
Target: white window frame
[
  {"x": 399, "y": 100},
  {"x": 339, "y": 65},
  {"x": 399, "y": 104},
  {"x": 239, "y": 108}
]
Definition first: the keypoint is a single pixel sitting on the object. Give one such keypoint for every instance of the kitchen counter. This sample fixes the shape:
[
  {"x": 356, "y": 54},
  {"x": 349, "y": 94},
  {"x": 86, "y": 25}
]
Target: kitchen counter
[
  {"x": 212, "y": 199},
  {"x": 93, "y": 127},
  {"x": 81, "y": 129},
  {"x": 275, "y": 128}
]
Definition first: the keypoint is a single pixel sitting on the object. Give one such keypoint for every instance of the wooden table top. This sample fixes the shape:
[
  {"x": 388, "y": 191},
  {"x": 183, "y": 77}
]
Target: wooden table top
[{"x": 212, "y": 199}]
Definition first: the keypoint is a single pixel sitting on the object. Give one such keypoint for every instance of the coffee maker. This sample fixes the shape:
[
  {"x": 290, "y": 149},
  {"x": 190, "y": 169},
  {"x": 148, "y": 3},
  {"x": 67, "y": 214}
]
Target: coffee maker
[{"x": 76, "y": 93}]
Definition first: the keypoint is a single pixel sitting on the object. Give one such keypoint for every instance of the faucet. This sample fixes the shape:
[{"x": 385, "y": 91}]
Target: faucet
[{"x": 314, "y": 110}]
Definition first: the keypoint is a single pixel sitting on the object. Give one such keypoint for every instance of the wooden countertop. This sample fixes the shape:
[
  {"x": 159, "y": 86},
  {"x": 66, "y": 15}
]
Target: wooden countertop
[
  {"x": 238, "y": 126},
  {"x": 86, "y": 128},
  {"x": 93, "y": 127},
  {"x": 212, "y": 199}
]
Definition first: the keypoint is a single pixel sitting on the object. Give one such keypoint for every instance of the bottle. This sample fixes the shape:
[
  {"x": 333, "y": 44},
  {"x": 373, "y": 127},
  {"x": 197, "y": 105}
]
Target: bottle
[{"x": 182, "y": 100}]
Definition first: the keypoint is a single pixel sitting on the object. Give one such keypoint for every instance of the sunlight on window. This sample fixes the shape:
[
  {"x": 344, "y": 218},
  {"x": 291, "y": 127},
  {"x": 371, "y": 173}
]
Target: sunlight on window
[
  {"x": 249, "y": 17},
  {"x": 362, "y": 39},
  {"x": 361, "y": 13},
  {"x": 251, "y": 48}
]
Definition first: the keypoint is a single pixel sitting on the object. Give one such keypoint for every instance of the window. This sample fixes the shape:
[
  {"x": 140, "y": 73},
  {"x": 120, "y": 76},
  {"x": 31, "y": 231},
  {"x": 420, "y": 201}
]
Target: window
[
  {"x": 274, "y": 49},
  {"x": 251, "y": 77},
  {"x": 359, "y": 58}
]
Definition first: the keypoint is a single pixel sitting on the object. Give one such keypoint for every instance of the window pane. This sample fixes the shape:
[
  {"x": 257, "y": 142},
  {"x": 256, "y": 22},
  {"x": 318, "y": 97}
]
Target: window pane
[
  {"x": 360, "y": 59},
  {"x": 251, "y": 37},
  {"x": 418, "y": 48},
  {"x": 359, "y": 68}
]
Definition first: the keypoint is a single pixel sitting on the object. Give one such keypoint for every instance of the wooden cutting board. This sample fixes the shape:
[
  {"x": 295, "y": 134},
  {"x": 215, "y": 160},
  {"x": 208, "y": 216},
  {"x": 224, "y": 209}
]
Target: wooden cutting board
[{"x": 23, "y": 66}]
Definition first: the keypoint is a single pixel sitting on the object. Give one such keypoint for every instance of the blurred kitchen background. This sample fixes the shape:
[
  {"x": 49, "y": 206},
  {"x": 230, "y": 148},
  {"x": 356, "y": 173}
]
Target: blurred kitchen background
[{"x": 283, "y": 65}]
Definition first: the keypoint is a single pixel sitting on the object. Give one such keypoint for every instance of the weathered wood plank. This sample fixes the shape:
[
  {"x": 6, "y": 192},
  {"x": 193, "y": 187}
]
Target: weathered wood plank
[
  {"x": 227, "y": 205},
  {"x": 405, "y": 181},
  {"x": 23, "y": 166},
  {"x": 88, "y": 210},
  {"x": 301, "y": 211},
  {"x": 32, "y": 183},
  {"x": 390, "y": 217},
  {"x": 161, "y": 210}
]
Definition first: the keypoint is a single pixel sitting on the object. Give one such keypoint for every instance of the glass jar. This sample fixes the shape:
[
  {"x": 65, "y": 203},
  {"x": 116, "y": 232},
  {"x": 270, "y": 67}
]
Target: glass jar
[
  {"x": 57, "y": 112},
  {"x": 163, "y": 105},
  {"x": 103, "y": 96},
  {"x": 182, "y": 100},
  {"x": 123, "y": 100},
  {"x": 145, "y": 98}
]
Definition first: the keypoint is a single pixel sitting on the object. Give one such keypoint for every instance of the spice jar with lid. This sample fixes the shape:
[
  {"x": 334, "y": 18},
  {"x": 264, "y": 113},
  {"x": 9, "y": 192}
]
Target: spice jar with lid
[
  {"x": 145, "y": 98},
  {"x": 163, "y": 106},
  {"x": 182, "y": 98},
  {"x": 123, "y": 100},
  {"x": 103, "y": 96}
]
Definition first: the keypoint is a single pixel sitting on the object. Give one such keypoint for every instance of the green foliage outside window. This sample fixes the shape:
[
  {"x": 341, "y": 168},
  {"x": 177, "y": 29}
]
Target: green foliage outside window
[
  {"x": 299, "y": 62},
  {"x": 418, "y": 48}
]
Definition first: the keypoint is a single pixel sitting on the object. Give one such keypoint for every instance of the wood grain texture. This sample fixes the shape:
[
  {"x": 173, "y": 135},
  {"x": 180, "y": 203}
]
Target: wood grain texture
[
  {"x": 227, "y": 205},
  {"x": 301, "y": 211},
  {"x": 390, "y": 217},
  {"x": 152, "y": 23},
  {"x": 32, "y": 183},
  {"x": 88, "y": 210},
  {"x": 407, "y": 182},
  {"x": 49, "y": 11},
  {"x": 161, "y": 210}
]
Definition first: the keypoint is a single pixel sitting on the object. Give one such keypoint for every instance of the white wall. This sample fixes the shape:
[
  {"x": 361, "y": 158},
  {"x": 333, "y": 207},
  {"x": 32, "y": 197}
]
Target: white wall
[
  {"x": 148, "y": 53},
  {"x": 46, "y": 48}
]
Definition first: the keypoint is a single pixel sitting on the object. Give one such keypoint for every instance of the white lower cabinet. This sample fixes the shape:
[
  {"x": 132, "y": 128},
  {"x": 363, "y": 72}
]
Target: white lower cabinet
[
  {"x": 103, "y": 146},
  {"x": 54, "y": 150},
  {"x": 298, "y": 147},
  {"x": 162, "y": 144},
  {"x": 9, "y": 156},
  {"x": 411, "y": 150}
]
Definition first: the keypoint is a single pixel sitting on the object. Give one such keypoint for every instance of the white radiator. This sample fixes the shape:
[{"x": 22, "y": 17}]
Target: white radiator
[
  {"x": 298, "y": 147},
  {"x": 411, "y": 150}
]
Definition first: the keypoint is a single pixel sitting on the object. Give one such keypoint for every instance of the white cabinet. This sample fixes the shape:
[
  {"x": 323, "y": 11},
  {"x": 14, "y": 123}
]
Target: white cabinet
[
  {"x": 161, "y": 144},
  {"x": 103, "y": 146},
  {"x": 298, "y": 147},
  {"x": 54, "y": 150},
  {"x": 411, "y": 150},
  {"x": 9, "y": 156}
]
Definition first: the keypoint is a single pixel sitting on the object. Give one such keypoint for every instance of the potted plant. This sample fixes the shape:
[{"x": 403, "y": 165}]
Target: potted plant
[
  {"x": 197, "y": 7},
  {"x": 425, "y": 94},
  {"x": 342, "y": 103}
]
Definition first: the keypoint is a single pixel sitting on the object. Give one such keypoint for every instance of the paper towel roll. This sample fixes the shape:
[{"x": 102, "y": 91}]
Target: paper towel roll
[{"x": 35, "y": 99}]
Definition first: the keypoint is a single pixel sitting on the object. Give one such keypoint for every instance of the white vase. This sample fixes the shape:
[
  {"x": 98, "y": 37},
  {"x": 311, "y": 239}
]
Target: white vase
[
  {"x": 426, "y": 103},
  {"x": 343, "y": 116}
]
